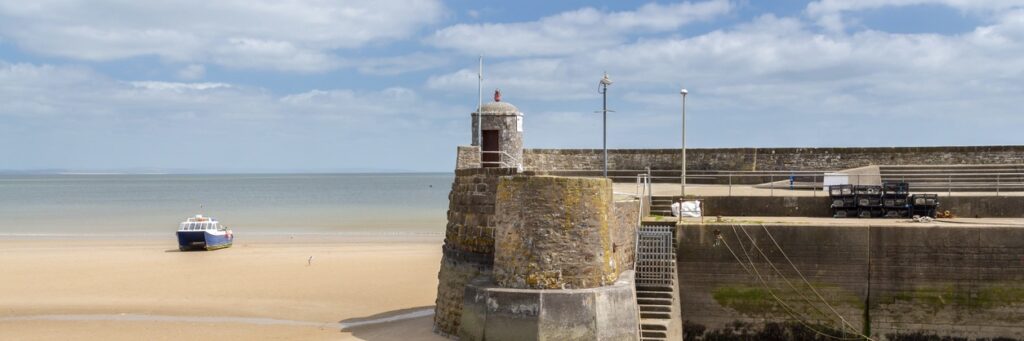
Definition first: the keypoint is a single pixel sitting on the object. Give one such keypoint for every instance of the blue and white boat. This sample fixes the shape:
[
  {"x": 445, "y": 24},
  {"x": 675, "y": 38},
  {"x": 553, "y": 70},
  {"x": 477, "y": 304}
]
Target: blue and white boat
[{"x": 203, "y": 233}]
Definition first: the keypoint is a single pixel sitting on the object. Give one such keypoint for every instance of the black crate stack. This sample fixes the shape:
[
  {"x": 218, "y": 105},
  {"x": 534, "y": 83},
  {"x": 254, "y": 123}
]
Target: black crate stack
[
  {"x": 890, "y": 200},
  {"x": 844, "y": 201},
  {"x": 924, "y": 204},
  {"x": 869, "y": 201},
  {"x": 894, "y": 200}
]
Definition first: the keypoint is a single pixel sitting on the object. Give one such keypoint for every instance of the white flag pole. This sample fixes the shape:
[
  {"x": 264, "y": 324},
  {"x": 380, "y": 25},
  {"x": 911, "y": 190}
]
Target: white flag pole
[{"x": 480, "y": 102}]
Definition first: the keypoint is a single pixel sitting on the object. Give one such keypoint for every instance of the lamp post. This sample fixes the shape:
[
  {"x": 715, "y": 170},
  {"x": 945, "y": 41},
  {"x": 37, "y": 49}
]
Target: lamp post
[
  {"x": 682, "y": 180},
  {"x": 603, "y": 89}
]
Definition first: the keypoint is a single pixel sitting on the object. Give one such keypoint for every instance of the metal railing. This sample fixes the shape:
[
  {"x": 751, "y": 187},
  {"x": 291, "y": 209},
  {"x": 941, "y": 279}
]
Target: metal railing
[
  {"x": 655, "y": 255},
  {"x": 505, "y": 160},
  {"x": 997, "y": 183},
  {"x": 643, "y": 188}
]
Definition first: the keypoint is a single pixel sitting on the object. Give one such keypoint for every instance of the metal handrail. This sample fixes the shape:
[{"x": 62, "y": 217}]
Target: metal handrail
[
  {"x": 767, "y": 173},
  {"x": 501, "y": 156},
  {"x": 996, "y": 182}
]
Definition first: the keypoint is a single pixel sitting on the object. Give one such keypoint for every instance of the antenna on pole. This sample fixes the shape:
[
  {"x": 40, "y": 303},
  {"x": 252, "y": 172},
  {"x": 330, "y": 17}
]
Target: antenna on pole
[{"x": 480, "y": 102}]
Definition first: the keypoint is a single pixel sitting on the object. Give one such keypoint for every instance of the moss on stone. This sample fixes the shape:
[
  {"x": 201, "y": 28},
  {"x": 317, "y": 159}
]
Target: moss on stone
[
  {"x": 745, "y": 299},
  {"x": 937, "y": 297},
  {"x": 999, "y": 295},
  {"x": 758, "y": 301}
]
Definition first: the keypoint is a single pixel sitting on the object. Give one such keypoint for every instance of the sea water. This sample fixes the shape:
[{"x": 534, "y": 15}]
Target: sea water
[{"x": 248, "y": 203}]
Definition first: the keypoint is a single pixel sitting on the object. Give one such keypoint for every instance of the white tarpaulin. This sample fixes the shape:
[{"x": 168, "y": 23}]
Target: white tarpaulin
[
  {"x": 687, "y": 209},
  {"x": 832, "y": 179}
]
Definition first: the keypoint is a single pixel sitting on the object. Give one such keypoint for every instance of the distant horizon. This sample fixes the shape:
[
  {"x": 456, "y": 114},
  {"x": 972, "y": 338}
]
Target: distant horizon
[{"x": 208, "y": 172}]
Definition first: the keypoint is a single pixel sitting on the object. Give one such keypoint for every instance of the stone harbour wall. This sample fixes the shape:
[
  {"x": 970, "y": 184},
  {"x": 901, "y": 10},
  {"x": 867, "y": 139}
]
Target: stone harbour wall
[
  {"x": 623, "y": 233},
  {"x": 768, "y": 159},
  {"x": 468, "y": 249},
  {"x": 554, "y": 233},
  {"x": 892, "y": 282},
  {"x": 467, "y": 157}
]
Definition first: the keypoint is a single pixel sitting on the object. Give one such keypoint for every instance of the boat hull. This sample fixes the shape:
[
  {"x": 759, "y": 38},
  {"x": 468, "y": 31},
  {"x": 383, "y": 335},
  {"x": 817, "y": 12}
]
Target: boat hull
[{"x": 203, "y": 240}]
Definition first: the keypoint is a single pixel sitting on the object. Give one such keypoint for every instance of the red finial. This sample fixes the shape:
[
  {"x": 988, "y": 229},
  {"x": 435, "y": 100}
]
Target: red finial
[{"x": 497, "y": 95}]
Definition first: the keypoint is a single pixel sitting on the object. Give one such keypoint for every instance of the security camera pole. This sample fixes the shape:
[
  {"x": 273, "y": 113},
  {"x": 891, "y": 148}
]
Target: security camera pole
[
  {"x": 682, "y": 180},
  {"x": 603, "y": 89}
]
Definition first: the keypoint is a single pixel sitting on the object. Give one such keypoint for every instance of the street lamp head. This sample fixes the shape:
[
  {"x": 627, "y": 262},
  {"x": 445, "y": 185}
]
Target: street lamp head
[
  {"x": 606, "y": 81},
  {"x": 683, "y": 92}
]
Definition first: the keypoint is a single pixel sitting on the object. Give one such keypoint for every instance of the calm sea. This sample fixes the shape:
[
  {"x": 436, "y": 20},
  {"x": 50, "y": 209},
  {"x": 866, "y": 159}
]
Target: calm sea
[{"x": 258, "y": 204}]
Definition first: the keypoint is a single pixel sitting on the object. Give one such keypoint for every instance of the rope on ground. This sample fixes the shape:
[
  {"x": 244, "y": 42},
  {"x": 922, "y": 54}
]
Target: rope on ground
[
  {"x": 789, "y": 310},
  {"x": 815, "y": 291},
  {"x": 977, "y": 223}
]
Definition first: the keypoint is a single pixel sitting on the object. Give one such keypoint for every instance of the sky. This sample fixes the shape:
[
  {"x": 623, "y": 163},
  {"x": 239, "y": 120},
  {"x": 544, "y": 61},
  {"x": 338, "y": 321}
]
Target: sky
[{"x": 389, "y": 85}]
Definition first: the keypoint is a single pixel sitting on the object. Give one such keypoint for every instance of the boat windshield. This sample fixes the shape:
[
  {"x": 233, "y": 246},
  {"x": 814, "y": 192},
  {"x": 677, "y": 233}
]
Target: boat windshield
[{"x": 200, "y": 226}]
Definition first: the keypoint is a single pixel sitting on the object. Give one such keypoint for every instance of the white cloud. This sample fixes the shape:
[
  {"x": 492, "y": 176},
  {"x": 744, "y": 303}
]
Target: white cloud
[
  {"x": 829, "y": 13},
  {"x": 177, "y": 87},
  {"x": 396, "y": 65},
  {"x": 61, "y": 94},
  {"x": 774, "y": 74},
  {"x": 573, "y": 31},
  {"x": 192, "y": 72},
  {"x": 265, "y": 34},
  {"x": 72, "y": 117}
]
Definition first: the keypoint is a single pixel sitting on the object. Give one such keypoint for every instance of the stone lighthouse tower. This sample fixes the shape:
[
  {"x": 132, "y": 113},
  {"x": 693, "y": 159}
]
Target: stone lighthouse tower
[{"x": 498, "y": 130}]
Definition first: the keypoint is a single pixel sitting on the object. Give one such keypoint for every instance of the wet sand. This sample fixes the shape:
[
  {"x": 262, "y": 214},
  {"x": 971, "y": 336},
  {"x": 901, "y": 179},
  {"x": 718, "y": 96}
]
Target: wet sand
[{"x": 355, "y": 288}]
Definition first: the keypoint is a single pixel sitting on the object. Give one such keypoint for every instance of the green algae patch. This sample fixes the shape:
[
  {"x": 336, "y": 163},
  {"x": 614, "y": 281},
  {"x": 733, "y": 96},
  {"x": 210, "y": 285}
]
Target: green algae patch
[
  {"x": 745, "y": 299},
  {"x": 995, "y": 296},
  {"x": 758, "y": 301},
  {"x": 941, "y": 296}
]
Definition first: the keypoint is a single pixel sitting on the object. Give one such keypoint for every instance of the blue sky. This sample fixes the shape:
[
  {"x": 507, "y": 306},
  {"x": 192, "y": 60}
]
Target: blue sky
[{"x": 270, "y": 86}]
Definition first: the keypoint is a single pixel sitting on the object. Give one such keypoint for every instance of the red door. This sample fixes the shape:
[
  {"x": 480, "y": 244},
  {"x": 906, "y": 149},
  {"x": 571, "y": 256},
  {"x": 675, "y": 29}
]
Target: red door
[{"x": 490, "y": 156}]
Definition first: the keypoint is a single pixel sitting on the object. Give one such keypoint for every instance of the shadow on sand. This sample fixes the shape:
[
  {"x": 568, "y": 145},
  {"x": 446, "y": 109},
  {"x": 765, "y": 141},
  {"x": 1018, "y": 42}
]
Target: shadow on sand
[{"x": 403, "y": 324}]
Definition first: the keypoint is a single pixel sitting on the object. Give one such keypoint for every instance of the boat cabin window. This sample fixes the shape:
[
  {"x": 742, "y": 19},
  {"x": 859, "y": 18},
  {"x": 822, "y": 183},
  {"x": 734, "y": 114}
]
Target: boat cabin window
[{"x": 207, "y": 226}]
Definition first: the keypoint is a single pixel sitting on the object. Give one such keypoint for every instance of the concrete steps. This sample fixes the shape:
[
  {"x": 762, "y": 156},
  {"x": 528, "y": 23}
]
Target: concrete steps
[
  {"x": 657, "y": 291},
  {"x": 957, "y": 178}
]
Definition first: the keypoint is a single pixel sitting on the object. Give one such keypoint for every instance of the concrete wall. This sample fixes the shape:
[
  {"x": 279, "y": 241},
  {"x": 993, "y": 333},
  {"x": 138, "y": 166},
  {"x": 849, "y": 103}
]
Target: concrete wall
[
  {"x": 607, "y": 313},
  {"x": 554, "y": 233},
  {"x": 469, "y": 241},
  {"x": 761, "y": 206},
  {"x": 984, "y": 207},
  {"x": 758, "y": 206},
  {"x": 907, "y": 282},
  {"x": 750, "y": 159}
]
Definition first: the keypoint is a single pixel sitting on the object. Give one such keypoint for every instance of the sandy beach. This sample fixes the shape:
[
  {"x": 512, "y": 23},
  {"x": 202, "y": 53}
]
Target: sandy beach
[{"x": 354, "y": 288}]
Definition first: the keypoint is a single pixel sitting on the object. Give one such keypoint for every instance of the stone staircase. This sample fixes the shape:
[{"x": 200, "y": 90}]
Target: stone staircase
[
  {"x": 662, "y": 205},
  {"x": 957, "y": 178},
  {"x": 657, "y": 290}
]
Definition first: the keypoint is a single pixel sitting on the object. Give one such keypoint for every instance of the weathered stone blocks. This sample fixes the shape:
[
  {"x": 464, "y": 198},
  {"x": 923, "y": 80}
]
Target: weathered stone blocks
[
  {"x": 469, "y": 241},
  {"x": 751, "y": 159},
  {"x": 554, "y": 233}
]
